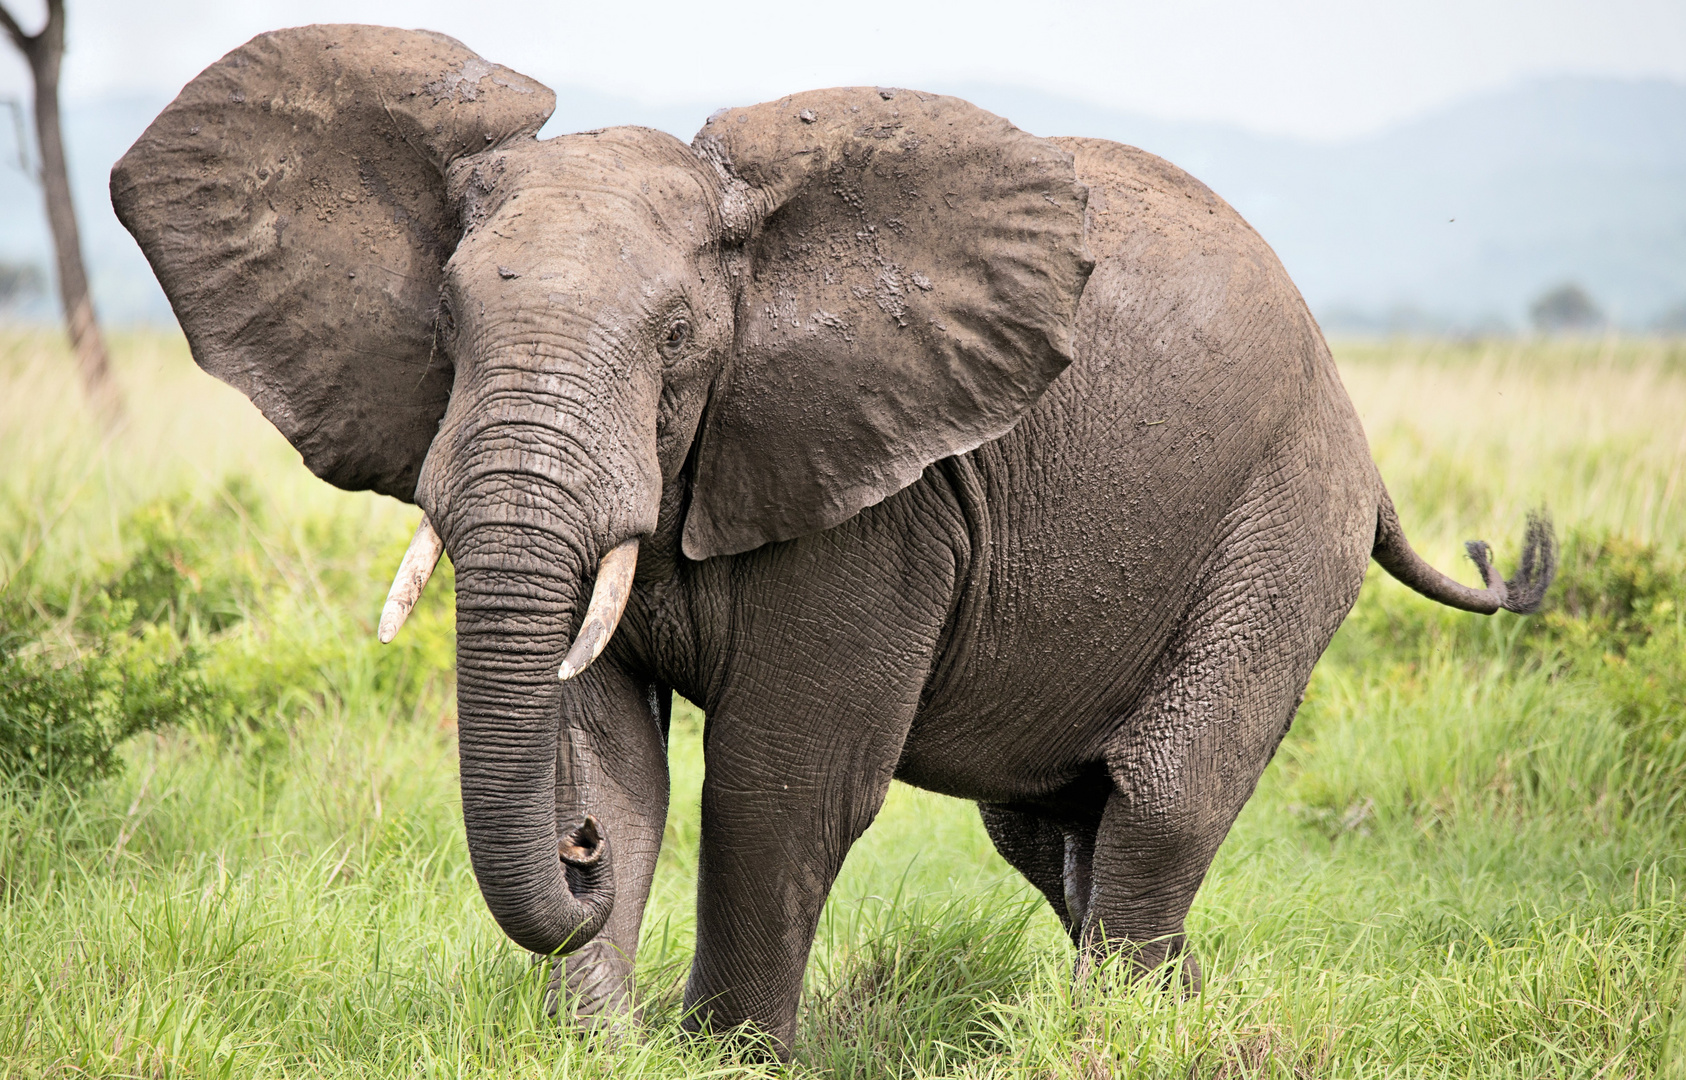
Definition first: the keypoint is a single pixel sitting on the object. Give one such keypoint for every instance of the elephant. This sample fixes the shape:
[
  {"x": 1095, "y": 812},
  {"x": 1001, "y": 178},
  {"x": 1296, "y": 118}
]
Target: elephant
[{"x": 905, "y": 443}]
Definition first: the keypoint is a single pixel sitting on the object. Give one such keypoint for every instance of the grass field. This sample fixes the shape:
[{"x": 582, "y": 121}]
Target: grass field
[{"x": 1465, "y": 860}]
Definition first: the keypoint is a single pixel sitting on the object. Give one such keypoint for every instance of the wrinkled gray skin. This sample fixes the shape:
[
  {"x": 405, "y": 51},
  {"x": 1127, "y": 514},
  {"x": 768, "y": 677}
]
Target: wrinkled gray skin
[{"x": 1012, "y": 468}]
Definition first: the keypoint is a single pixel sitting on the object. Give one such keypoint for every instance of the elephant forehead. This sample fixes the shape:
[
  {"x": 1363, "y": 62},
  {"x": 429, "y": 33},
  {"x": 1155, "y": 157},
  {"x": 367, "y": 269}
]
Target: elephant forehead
[
  {"x": 590, "y": 263},
  {"x": 615, "y": 179}
]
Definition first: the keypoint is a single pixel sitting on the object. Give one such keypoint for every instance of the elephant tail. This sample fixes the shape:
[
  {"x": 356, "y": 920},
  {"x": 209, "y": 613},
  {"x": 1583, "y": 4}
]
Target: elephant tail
[{"x": 1522, "y": 594}]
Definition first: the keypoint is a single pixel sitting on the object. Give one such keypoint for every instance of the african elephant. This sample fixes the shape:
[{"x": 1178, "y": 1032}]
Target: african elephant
[{"x": 904, "y": 443}]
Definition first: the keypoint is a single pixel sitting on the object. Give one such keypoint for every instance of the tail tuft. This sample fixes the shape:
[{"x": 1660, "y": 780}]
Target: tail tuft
[
  {"x": 1526, "y": 591},
  {"x": 1482, "y": 556},
  {"x": 1522, "y": 594}
]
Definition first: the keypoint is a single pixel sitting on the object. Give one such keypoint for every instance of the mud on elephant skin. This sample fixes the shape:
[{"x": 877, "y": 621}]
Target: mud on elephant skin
[{"x": 905, "y": 443}]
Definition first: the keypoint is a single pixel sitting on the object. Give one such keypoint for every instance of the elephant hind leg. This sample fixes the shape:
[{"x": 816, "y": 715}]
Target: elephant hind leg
[
  {"x": 1054, "y": 854},
  {"x": 1187, "y": 758}
]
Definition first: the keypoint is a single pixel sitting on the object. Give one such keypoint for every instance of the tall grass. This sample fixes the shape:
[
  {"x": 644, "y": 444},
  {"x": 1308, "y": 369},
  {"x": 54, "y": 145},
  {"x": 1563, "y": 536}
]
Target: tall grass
[{"x": 1464, "y": 861}]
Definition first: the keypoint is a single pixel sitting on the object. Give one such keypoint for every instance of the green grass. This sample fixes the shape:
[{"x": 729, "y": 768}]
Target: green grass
[{"x": 1465, "y": 861}]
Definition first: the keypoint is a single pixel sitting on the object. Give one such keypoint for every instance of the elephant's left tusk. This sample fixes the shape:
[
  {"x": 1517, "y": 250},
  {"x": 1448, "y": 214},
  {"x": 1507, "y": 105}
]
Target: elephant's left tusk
[
  {"x": 419, "y": 561},
  {"x": 603, "y": 613}
]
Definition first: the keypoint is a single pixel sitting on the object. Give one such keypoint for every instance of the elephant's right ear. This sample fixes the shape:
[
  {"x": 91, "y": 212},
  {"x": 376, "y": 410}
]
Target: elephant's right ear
[{"x": 292, "y": 202}]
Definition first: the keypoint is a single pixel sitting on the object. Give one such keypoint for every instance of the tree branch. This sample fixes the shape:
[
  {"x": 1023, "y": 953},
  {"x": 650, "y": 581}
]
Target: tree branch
[
  {"x": 44, "y": 52},
  {"x": 15, "y": 32}
]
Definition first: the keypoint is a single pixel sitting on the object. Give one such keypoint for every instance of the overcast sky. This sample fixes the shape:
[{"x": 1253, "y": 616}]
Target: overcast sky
[{"x": 1322, "y": 69}]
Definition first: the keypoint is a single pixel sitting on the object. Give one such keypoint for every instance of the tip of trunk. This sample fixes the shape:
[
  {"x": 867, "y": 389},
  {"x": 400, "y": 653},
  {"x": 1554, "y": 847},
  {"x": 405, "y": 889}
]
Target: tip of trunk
[{"x": 583, "y": 847}]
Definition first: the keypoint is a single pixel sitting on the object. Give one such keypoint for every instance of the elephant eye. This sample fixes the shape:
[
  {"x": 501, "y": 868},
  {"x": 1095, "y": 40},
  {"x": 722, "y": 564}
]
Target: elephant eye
[{"x": 678, "y": 333}]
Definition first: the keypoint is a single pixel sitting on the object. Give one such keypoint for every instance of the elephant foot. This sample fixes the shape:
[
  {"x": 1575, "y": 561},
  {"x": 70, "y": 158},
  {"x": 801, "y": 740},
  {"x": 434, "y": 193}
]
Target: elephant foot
[
  {"x": 1176, "y": 969},
  {"x": 591, "y": 990},
  {"x": 745, "y": 1042}
]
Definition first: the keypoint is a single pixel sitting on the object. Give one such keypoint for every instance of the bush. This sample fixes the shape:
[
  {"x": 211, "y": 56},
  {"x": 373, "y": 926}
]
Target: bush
[
  {"x": 180, "y": 571},
  {"x": 1616, "y": 622},
  {"x": 1470, "y": 704},
  {"x": 1613, "y": 595},
  {"x": 62, "y": 718},
  {"x": 162, "y": 636},
  {"x": 85, "y": 666}
]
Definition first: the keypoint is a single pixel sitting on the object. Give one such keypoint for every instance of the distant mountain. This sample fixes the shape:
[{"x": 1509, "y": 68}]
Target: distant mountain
[{"x": 1454, "y": 221}]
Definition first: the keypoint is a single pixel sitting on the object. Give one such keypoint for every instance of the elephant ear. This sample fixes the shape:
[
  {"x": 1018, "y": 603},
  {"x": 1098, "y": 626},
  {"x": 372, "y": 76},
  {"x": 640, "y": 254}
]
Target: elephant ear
[
  {"x": 913, "y": 272},
  {"x": 292, "y": 202}
]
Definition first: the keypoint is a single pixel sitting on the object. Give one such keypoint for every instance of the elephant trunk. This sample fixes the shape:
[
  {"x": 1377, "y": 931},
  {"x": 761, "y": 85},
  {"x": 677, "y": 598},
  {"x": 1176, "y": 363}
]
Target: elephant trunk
[
  {"x": 543, "y": 465},
  {"x": 551, "y": 893}
]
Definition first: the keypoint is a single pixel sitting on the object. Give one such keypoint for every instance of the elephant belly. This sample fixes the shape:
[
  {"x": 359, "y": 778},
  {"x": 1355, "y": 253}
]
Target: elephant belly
[
  {"x": 1093, "y": 559},
  {"x": 1102, "y": 509}
]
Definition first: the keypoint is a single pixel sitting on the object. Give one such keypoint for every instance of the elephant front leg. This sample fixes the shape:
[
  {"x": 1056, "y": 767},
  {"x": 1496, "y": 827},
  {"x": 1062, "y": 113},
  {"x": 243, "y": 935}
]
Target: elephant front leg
[
  {"x": 612, "y": 764},
  {"x": 827, "y": 659},
  {"x": 777, "y": 822}
]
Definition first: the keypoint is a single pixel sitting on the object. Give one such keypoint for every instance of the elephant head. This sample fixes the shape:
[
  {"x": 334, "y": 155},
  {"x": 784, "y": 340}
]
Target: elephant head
[{"x": 559, "y": 348}]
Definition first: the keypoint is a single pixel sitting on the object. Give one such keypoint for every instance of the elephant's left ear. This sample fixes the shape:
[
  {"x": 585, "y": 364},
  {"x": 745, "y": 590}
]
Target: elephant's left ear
[{"x": 913, "y": 272}]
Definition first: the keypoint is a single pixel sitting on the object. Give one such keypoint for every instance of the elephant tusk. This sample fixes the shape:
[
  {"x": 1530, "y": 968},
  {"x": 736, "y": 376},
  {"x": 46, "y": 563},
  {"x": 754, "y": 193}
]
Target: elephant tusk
[
  {"x": 603, "y": 614},
  {"x": 419, "y": 560}
]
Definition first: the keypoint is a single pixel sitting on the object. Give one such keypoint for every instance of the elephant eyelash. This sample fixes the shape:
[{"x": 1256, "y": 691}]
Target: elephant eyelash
[{"x": 677, "y": 337}]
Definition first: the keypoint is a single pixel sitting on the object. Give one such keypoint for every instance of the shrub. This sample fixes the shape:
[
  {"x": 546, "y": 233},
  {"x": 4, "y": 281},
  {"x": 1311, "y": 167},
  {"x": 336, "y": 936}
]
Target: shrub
[
  {"x": 64, "y": 713},
  {"x": 1613, "y": 595},
  {"x": 1591, "y": 691},
  {"x": 180, "y": 568},
  {"x": 1617, "y": 622},
  {"x": 84, "y": 666},
  {"x": 162, "y": 636}
]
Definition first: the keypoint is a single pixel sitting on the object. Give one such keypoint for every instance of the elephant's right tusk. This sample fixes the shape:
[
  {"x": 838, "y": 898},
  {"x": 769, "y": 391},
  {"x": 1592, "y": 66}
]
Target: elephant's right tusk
[
  {"x": 603, "y": 613},
  {"x": 419, "y": 560}
]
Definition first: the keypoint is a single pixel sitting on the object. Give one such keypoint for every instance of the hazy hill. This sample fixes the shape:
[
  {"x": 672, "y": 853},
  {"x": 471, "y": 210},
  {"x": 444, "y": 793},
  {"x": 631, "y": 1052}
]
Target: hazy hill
[
  {"x": 1457, "y": 218},
  {"x": 1452, "y": 221}
]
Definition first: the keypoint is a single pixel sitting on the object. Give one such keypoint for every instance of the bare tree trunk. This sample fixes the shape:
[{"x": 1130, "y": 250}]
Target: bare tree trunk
[{"x": 45, "y": 51}]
